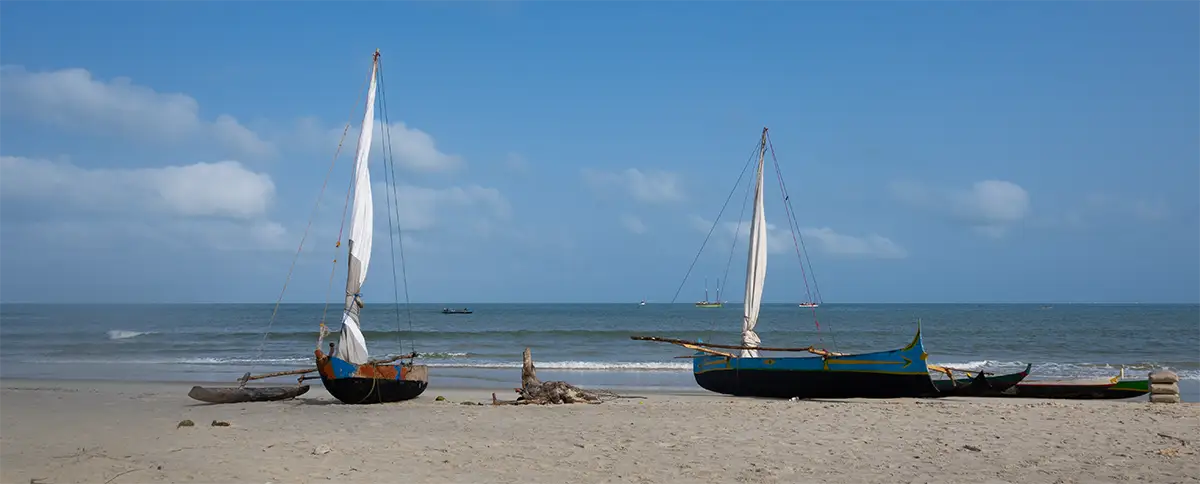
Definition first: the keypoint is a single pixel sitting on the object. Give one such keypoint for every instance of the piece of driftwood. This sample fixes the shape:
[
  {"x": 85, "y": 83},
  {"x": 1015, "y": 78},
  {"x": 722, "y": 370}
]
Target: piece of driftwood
[
  {"x": 243, "y": 394},
  {"x": 534, "y": 391}
]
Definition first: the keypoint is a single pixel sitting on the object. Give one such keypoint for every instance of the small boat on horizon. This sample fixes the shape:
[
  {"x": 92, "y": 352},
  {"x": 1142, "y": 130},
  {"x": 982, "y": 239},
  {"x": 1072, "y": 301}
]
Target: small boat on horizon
[
  {"x": 711, "y": 304},
  {"x": 456, "y": 311},
  {"x": 808, "y": 305}
]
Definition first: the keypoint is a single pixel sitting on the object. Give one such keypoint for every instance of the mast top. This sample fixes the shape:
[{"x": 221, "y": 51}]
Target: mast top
[
  {"x": 764, "y": 127},
  {"x": 376, "y": 56}
]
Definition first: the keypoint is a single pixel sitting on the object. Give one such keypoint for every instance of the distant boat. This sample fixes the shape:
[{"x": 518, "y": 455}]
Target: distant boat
[
  {"x": 643, "y": 303},
  {"x": 808, "y": 305},
  {"x": 456, "y": 311},
  {"x": 710, "y": 304}
]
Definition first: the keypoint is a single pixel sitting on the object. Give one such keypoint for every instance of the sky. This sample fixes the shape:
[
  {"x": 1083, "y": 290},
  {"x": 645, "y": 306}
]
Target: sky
[{"x": 581, "y": 151}]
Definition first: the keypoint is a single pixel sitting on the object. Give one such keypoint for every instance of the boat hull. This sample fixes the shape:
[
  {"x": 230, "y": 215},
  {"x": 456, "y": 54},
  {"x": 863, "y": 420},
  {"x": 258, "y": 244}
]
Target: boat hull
[
  {"x": 246, "y": 394},
  {"x": 371, "y": 383},
  {"x": 885, "y": 374},
  {"x": 981, "y": 385},
  {"x": 1078, "y": 391}
]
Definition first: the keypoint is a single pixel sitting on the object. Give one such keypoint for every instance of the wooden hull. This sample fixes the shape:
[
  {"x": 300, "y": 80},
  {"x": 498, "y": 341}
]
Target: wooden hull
[
  {"x": 981, "y": 385},
  {"x": 1068, "y": 390},
  {"x": 886, "y": 374},
  {"x": 371, "y": 383},
  {"x": 239, "y": 395}
]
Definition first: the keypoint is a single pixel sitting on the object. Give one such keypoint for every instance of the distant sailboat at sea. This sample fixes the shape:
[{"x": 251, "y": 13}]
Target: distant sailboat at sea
[{"x": 710, "y": 304}]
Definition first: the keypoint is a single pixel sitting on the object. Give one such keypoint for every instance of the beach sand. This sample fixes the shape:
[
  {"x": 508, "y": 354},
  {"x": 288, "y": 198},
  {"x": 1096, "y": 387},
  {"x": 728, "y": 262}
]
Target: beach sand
[{"x": 91, "y": 432}]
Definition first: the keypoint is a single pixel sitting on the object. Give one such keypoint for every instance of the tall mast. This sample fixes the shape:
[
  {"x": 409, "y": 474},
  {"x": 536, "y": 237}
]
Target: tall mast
[
  {"x": 352, "y": 346},
  {"x": 756, "y": 261}
]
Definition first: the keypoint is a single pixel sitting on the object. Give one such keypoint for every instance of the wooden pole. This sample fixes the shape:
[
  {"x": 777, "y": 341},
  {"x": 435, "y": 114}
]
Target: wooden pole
[
  {"x": 688, "y": 344},
  {"x": 247, "y": 377}
]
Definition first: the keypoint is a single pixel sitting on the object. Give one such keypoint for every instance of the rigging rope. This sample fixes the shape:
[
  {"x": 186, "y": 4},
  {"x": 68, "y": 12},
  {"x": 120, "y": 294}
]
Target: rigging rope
[
  {"x": 394, "y": 201},
  {"x": 737, "y": 233},
  {"x": 714, "y": 226},
  {"x": 798, "y": 242},
  {"x": 312, "y": 215}
]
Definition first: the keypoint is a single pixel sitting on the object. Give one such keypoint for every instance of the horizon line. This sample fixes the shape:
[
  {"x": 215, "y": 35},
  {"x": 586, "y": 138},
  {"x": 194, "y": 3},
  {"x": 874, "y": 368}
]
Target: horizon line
[{"x": 728, "y": 303}]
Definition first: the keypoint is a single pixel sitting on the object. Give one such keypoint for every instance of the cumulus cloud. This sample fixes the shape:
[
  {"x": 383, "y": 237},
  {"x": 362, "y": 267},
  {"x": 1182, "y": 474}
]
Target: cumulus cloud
[
  {"x": 825, "y": 239},
  {"x": 221, "y": 202},
  {"x": 633, "y": 224},
  {"x": 423, "y": 208},
  {"x": 222, "y": 189},
  {"x": 516, "y": 163},
  {"x": 990, "y": 207},
  {"x": 412, "y": 149},
  {"x": 73, "y": 99},
  {"x": 1107, "y": 209},
  {"x": 653, "y": 186}
]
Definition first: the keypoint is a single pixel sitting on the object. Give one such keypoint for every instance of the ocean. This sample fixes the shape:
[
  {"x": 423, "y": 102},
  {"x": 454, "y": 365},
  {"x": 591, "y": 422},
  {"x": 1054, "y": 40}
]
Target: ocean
[{"x": 586, "y": 344}]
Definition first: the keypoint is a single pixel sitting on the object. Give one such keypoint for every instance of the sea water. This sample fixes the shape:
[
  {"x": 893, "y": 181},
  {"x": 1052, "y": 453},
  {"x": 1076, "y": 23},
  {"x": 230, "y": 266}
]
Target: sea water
[{"x": 587, "y": 344}]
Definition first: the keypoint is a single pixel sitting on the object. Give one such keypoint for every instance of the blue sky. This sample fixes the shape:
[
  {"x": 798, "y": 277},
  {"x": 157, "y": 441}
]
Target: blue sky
[{"x": 578, "y": 152}]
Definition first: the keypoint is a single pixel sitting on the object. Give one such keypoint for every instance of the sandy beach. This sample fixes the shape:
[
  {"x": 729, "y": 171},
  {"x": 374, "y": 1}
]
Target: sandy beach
[{"x": 97, "y": 432}]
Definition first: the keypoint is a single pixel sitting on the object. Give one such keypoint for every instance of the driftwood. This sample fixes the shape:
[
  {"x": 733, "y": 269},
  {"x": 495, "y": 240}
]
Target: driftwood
[
  {"x": 536, "y": 392},
  {"x": 242, "y": 394}
]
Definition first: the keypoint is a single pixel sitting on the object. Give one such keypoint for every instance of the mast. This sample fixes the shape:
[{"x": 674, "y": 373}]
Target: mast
[
  {"x": 352, "y": 346},
  {"x": 756, "y": 261}
]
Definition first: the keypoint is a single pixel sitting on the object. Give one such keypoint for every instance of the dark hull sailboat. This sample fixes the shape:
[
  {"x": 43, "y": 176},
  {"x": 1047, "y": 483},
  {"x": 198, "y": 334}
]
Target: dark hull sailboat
[
  {"x": 371, "y": 382},
  {"x": 885, "y": 374},
  {"x": 347, "y": 373},
  {"x": 981, "y": 385}
]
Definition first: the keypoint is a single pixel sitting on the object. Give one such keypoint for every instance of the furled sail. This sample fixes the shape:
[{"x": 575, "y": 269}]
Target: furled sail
[
  {"x": 756, "y": 264},
  {"x": 352, "y": 347}
]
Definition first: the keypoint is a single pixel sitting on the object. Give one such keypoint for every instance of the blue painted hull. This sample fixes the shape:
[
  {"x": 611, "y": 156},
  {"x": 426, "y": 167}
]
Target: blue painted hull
[
  {"x": 370, "y": 383},
  {"x": 885, "y": 374}
]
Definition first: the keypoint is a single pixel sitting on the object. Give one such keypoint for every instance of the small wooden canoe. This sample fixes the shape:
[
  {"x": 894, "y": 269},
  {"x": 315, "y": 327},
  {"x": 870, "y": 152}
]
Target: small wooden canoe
[
  {"x": 243, "y": 394},
  {"x": 981, "y": 385},
  {"x": 1107, "y": 389}
]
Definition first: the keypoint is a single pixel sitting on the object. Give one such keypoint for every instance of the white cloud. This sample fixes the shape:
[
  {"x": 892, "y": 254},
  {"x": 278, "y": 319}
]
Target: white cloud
[
  {"x": 653, "y": 186},
  {"x": 222, "y": 189},
  {"x": 72, "y": 98},
  {"x": 990, "y": 207},
  {"x": 222, "y": 203},
  {"x": 412, "y": 149},
  {"x": 827, "y": 240},
  {"x": 1099, "y": 209},
  {"x": 872, "y": 245},
  {"x": 422, "y": 208},
  {"x": 516, "y": 163},
  {"x": 633, "y": 224}
]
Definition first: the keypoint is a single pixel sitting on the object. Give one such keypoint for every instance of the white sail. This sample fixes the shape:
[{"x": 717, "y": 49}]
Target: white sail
[
  {"x": 352, "y": 347},
  {"x": 756, "y": 265}
]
